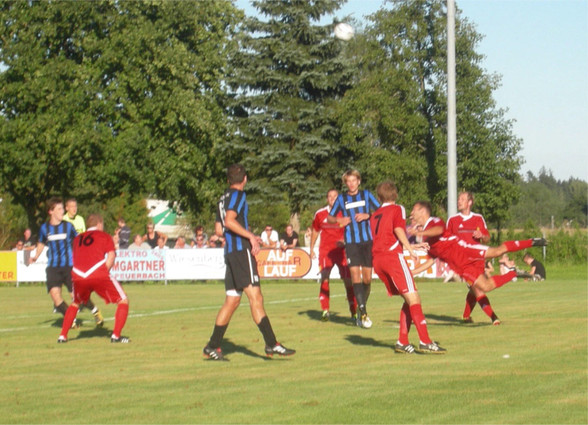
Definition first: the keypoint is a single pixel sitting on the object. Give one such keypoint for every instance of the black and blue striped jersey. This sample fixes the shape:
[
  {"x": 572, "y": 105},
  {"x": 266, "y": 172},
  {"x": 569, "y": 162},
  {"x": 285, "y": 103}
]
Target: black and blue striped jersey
[
  {"x": 234, "y": 200},
  {"x": 58, "y": 239},
  {"x": 362, "y": 202}
]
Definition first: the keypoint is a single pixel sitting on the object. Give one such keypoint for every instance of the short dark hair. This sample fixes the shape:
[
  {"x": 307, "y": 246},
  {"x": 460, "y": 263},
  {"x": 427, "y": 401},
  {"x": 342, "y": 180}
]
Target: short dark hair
[
  {"x": 426, "y": 205},
  {"x": 94, "y": 219},
  {"x": 51, "y": 202},
  {"x": 236, "y": 173}
]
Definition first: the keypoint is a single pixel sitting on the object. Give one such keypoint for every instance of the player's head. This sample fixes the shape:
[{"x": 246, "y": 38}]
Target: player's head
[
  {"x": 236, "y": 174},
  {"x": 53, "y": 202},
  {"x": 95, "y": 220},
  {"x": 332, "y": 197},
  {"x": 352, "y": 179},
  {"x": 71, "y": 206},
  {"x": 465, "y": 201},
  {"x": 387, "y": 191},
  {"x": 421, "y": 211}
]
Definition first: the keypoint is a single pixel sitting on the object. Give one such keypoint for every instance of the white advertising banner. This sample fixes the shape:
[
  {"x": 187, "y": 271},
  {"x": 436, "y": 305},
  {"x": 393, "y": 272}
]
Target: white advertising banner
[{"x": 203, "y": 264}]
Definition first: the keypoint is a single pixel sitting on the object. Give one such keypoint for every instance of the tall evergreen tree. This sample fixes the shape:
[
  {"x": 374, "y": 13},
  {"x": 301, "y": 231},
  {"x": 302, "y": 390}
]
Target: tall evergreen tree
[
  {"x": 398, "y": 111},
  {"x": 288, "y": 76}
]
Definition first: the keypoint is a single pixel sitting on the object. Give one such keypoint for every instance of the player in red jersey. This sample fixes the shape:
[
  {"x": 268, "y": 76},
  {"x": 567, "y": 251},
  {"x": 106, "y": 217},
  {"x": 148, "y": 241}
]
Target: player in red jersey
[
  {"x": 331, "y": 253},
  {"x": 387, "y": 225},
  {"x": 93, "y": 256},
  {"x": 466, "y": 260},
  {"x": 471, "y": 227}
]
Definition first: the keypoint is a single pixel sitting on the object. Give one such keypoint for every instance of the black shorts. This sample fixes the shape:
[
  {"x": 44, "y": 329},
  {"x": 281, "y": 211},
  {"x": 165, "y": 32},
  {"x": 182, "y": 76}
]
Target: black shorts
[
  {"x": 241, "y": 271},
  {"x": 359, "y": 254},
  {"x": 57, "y": 276}
]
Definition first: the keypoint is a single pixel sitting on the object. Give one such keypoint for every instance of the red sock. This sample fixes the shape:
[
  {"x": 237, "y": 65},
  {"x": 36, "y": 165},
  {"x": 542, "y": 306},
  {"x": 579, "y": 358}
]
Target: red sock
[
  {"x": 405, "y": 321},
  {"x": 503, "y": 279},
  {"x": 324, "y": 295},
  {"x": 351, "y": 299},
  {"x": 120, "y": 318},
  {"x": 485, "y": 305},
  {"x": 70, "y": 315},
  {"x": 470, "y": 305},
  {"x": 418, "y": 318},
  {"x": 513, "y": 246}
]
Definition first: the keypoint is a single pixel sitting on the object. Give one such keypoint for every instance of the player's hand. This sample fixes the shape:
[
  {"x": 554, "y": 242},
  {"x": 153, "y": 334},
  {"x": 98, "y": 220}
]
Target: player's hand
[
  {"x": 343, "y": 221},
  {"x": 312, "y": 254},
  {"x": 254, "y": 245},
  {"x": 362, "y": 217}
]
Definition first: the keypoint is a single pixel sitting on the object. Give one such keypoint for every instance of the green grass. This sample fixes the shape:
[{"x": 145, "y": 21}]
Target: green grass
[{"x": 341, "y": 374}]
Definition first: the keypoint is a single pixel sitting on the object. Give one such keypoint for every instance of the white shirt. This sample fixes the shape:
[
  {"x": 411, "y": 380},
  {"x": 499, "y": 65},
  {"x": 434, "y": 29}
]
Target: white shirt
[{"x": 274, "y": 238}]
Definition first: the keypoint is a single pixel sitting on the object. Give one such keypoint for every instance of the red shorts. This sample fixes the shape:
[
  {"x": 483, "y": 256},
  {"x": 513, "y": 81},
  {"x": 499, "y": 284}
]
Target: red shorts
[
  {"x": 466, "y": 260},
  {"x": 393, "y": 270},
  {"x": 106, "y": 287},
  {"x": 334, "y": 257}
]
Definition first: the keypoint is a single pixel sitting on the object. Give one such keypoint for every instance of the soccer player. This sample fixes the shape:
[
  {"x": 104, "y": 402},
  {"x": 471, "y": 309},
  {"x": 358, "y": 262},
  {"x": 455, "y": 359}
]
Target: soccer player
[
  {"x": 241, "y": 268},
  {"x": 93, "y": 256},
  {"x": 58, "y": 235},
  {"x": 389, "y": 238},
  {"x": 331, "y": 253},
  {"x": 78, "y": 222},
  {"x": 471, "y": 228},
  {"x": 356, "y": 206},
  {"x": 466, "y": 260}
]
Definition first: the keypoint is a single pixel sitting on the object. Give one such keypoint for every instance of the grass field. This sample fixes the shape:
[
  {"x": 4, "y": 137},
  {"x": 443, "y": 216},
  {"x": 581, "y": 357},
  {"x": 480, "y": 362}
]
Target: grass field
[{"x": 531, "y": 369}]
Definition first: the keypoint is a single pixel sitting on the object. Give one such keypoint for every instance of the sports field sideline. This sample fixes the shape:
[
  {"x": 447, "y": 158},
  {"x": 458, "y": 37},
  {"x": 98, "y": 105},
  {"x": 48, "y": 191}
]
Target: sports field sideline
[{"x": 531, "y": 369}]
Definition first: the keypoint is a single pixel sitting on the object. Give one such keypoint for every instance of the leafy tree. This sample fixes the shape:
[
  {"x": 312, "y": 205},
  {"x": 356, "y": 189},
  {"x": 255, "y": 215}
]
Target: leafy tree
[
  {"x": 288, "y": 75},
  {"x": 108, "y": 98},
  {"x": 399, "y": 106}
]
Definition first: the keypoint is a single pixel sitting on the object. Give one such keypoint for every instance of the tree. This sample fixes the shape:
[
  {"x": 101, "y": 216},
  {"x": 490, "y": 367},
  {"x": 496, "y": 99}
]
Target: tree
[
  {"x": 288, "y": 75},
  {"x": 108, "y": 99},
  {"x": 399, "y": 106}
]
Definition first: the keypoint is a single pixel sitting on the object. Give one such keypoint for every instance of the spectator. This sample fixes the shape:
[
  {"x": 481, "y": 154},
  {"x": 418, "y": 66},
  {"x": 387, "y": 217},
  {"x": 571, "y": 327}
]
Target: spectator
[
  {"x": 506, "y": 264},
  {"x": 537, "y": 268},
  {"x": 269, "y": 238},
  {"x": 19, "y": 245},
  {"x": 200, "y": 242},
  {"x": 199, "y": 231},
  {"x": 216, "y": 241},
  {"x": 181, "y": 243},
  {"x": 124, "y": 234},
  {"x": 151, "y": 236},
  {"x": 138, "y": 244},
  {"x": 307, "y": 236},
  {"x": 29, "y": 241},
  {"x": 289, "y": 238},
  {"x": 161, "y": 244}
]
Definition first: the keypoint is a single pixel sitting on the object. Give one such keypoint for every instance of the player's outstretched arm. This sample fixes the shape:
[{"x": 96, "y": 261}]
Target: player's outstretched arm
[{"x": 423, "y": 266}]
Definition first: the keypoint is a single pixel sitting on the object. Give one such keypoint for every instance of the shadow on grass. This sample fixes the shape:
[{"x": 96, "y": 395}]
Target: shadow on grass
[
  {"x": 95, "y": 332},
  {"x": 229, "y": 348},
  {"x": 334, "y": 317},
  {"x": 362, "y": 340},
  {"x": 437, "y": 320}
]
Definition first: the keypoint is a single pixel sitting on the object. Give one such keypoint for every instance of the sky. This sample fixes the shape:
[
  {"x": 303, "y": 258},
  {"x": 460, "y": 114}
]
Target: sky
[{"x": 540, "y": 50}]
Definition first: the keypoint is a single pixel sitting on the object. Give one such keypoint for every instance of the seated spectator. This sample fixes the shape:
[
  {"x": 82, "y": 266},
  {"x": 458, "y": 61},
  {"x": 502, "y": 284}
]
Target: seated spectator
[
  {"x": 151, "y": 235},
  {"x": 124, "y": 234},
  {"x": 216, "y": 241},
  {"x": 307, "y": 236},
  {"x": 270, "y": 238},
  {"x": 537, "y": 269},
  {"x": 29, "y": 241},
  {"x": 506, "y": 264},
  {"x": 199, "y": 231},
  {"x": 138, "y": 244},
  {"x": 161, "y": 243},
  {"x": 181, "y": 243},
  {"x": 289, "y": 238},
  {"x": 19, "y": 245},
  {"x": 200, "y": 242}
]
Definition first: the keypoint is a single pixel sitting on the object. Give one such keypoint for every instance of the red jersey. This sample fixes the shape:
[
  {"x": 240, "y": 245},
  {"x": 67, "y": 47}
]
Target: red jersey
[
  {"x": 89, "y": 252},
  {"x": 382, "y": 223},
  {"x": 464, "y": 226},
  {"x": 331, "y": 233}
]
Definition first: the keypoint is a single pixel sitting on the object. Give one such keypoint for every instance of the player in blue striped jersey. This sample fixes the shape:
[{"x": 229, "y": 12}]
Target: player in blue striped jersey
[
  {"x": 357, "y": 206},
  {"x": 241, "y": 246}
]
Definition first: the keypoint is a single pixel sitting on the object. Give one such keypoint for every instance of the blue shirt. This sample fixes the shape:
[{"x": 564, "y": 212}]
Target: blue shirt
[
  {"x": 58, "y": 239},
  {"x": 234, "y": 200},
  {"x": 362, "y": 202}
]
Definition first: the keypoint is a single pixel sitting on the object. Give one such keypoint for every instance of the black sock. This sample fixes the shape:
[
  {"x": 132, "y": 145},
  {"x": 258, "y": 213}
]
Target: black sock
[
  {"x": 62, "y": 308},
  {"x": 360, "y": 297},
  {"x": 268, "y": 333},
  {"x": 367, "y": 289},
  {"x": 89, "y": 305},
  {"x": 217, "y": 336}
]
